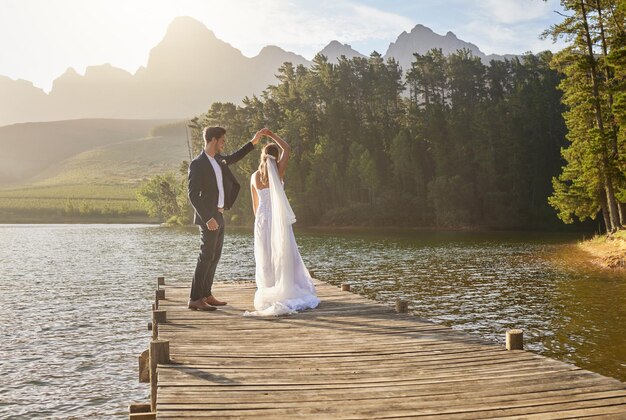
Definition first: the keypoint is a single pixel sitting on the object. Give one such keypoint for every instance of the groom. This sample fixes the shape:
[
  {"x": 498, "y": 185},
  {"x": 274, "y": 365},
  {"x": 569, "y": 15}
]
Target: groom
[{"x": 212, "y": 189}]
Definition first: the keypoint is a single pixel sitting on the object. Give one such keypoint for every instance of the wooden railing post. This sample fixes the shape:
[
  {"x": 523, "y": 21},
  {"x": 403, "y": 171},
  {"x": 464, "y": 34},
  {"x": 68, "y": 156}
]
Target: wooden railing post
[
  {"x": 140, "y": 412},
  {"x": 515, "y": 340},
  {"x": 159, "y": 354},
  {"x": 402, "y": 306},
  {"x": 144, "y": 367},
  {"x": 345, "y": 287},
  {"x": 159, "y": 317}
]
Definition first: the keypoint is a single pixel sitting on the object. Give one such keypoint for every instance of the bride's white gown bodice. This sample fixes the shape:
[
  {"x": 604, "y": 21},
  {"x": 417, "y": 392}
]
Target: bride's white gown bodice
[{"x": 278, "y": 292}]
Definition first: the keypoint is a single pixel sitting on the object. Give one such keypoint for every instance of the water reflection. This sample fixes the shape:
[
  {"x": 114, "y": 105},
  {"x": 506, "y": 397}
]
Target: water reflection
[
  {"x": 75, "y": 299},
  {"x": 484, "y": 283}
]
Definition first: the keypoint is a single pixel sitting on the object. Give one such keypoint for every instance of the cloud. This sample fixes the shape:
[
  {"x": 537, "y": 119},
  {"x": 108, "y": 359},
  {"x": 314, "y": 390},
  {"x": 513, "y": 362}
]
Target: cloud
[
  {"x": 513, "y": 11},
  {"x": 79, "y": 33},
  {"x": 510, "y": 26},
  {"x": 506, "y": 39},
  {"x": 306, "y": 26},
  {"x": 494, "y": 38},
  {"x": 40, "y": 39}
]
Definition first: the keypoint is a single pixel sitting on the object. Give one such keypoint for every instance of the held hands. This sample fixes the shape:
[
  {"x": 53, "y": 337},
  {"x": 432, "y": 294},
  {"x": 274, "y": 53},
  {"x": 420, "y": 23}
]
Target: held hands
[
  {"x": 212, "y": 224},
  {"x": 267, "y": 132},
  {"x": 257, "y": 136},
  {"x": 262, "y": 132}
]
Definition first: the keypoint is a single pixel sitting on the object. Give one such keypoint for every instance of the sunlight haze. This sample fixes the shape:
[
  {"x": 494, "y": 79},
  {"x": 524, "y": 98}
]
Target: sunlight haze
[{"x": 41, "y": 39}]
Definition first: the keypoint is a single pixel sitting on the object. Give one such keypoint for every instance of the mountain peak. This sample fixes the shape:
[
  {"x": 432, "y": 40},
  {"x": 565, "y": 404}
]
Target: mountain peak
[
  {"x": 336, "y": 49},
  {"x": 271, "y": 55},
  {"x": 189, "y": 26},
  {"x": 271, "y": 50},
  {"x": 184, "y": 32},
  {"x": 69, "y": 74},
  {"x": 423, "y": 39},
  {"x": 188, "y": 47},
  {"x": 419, "y": 28},
  {"x": 190, "y": 62},
  {"x": 106, "y": 71}
]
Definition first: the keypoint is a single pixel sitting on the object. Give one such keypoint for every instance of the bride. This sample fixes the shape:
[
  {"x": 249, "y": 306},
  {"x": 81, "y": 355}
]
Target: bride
[{"x": 283, "y": 283}]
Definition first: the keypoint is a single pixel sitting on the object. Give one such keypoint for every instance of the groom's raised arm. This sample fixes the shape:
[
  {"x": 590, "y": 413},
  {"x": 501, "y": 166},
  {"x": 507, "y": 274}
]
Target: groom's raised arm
[
  {"x": 195, "y": 188},
  {"x": 239, "y": 154},
  {"x": 247, "y": 148}
]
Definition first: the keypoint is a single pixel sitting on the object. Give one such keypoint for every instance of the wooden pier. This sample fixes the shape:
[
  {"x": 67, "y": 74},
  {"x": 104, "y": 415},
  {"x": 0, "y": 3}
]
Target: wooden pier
[{"x": 351, "y": 358}]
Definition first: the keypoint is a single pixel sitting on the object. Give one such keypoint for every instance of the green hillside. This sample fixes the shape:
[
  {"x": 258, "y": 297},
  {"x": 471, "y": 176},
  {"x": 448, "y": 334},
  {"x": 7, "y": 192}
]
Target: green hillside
[
  {"x": 126, "y": 163},
  {"x": 97, "y": 178},
  {"x": 30, "y": 148}
]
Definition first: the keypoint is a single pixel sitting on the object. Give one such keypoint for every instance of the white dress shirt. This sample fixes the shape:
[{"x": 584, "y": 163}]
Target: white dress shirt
[{"x": 220, "y": 181}]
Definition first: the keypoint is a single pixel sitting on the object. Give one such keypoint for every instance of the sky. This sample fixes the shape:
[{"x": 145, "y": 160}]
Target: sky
[{"x": 40, "y": 39}]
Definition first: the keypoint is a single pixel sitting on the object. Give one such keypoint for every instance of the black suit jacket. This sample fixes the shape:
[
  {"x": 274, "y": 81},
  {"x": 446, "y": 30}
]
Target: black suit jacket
[{"x": 203, "y": 192}]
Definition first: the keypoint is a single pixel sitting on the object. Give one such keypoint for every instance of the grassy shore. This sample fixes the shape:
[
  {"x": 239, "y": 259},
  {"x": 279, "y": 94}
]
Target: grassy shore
[
  {"x": 607, "y": 250},
  {"x": 72, "y": 204},
  {"x": 87, "y": 171}
]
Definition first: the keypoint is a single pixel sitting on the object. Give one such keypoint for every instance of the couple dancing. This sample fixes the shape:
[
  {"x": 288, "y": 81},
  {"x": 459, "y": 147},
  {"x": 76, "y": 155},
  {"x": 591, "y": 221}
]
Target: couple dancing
[{"x": 283, "y": 282}]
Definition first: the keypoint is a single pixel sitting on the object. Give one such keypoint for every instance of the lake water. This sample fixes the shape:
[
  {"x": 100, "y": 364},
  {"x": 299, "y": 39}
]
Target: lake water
[{"x": 75, "y": 300}]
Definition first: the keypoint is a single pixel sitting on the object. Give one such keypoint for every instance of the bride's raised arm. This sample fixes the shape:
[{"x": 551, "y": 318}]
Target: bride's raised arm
[
  {"x": 284, "y": 156},
  {"x": 253, "y": 193}
]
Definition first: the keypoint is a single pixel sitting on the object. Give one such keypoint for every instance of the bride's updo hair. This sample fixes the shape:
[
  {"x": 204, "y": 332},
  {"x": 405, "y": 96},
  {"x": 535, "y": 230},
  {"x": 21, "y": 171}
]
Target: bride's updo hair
[{"x": 269, "y": 150}]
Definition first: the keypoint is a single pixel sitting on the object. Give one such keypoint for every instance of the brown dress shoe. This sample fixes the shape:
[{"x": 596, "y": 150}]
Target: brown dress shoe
[
  {"x": 199, "y": 305},
  {"x": 210, "y": 300}
]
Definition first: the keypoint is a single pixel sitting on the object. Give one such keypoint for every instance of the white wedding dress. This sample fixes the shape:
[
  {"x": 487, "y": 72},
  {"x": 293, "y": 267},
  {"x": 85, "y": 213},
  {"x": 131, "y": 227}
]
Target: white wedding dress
[{"x": 283, "y": 283}]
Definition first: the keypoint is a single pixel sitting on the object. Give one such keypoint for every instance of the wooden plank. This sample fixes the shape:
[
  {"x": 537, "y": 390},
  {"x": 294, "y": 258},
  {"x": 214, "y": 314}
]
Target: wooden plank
[
  {"x": 191, "y": 394},
  {"x": 469, "y": 410},
  {"x": 410, "y": 397},
  {"x": 354, "y": 358}
]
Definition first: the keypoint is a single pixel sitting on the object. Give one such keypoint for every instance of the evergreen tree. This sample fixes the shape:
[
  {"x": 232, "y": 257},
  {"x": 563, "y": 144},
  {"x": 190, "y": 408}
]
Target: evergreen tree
[
  {"x": 470, "y": 145},
  {"x": 592, "y": 171}
]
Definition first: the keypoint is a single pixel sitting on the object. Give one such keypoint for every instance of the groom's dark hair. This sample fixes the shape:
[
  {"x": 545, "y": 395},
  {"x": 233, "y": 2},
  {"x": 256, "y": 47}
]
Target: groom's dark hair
[{"x": 211, "y": 133}]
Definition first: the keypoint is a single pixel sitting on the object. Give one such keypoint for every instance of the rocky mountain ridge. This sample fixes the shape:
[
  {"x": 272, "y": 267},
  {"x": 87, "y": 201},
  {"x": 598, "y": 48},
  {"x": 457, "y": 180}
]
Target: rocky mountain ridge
[{"x": 187, "y": 71}]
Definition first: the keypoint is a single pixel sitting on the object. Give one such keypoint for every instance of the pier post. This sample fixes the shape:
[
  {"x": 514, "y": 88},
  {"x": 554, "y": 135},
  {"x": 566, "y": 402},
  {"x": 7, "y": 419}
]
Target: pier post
[
  {"x": 158, "y": 317},
  {"x": 160, "y": 281},
  {"x": 515, "y": 340},
  {"x": 159, "y": 294},
  {"x": 140, "y": 412},
  {"x": 159, "y": 354},
  {"x": 144, "y": 367},
  {"x": 345, "y": 287},
  {"x": 402, "y": 306},
  {"x": 138, "y": 408}
]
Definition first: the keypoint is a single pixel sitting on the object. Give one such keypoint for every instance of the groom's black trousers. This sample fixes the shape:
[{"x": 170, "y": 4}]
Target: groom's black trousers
[{"x": 210, "y": 253}]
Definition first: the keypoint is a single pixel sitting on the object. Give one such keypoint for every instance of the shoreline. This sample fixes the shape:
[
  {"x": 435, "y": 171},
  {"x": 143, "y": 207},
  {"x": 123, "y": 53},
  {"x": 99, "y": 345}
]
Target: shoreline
[
  {"x": 606, "y": 251},
  {"x": 130, "y": 220},
  {"x": 55, "y": 220},
  {"x": 139, "y": 218}
]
